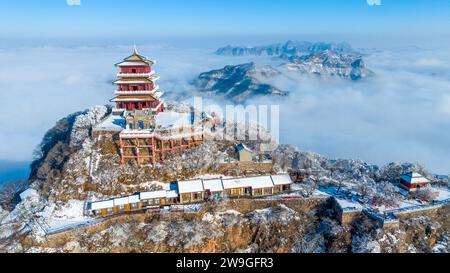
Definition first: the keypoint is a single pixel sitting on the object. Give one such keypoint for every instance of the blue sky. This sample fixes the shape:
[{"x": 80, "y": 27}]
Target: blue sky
[
  {"x": 139, "y": 19},
  {"x": 412, "y": 72}
]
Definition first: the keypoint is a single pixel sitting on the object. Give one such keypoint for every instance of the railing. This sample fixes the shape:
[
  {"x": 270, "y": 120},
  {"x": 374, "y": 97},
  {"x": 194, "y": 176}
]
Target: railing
[
  {"x": 137, "y": 75},
  {"x": 137, "y": 92}
]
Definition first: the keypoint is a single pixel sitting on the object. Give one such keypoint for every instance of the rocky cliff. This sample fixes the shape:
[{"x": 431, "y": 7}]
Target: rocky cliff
[{"x": 72, "y": 166}]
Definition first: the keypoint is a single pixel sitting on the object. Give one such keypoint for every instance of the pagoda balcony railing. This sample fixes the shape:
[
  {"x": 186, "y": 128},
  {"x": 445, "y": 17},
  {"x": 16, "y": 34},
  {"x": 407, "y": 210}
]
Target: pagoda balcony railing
[
  {"x": 135, "y": 75},
  {"x": 137, "y": 92}
]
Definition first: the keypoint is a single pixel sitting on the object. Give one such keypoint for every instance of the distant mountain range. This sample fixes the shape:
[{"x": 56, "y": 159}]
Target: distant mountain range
[
  {"x": 327, "y": 63},
  {"x": 238, "y": 82},
  {"x": 288, "y": 49}
]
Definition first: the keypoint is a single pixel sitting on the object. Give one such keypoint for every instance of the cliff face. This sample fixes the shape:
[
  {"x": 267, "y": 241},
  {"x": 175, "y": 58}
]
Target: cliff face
[{"x": 71, "y": 166}]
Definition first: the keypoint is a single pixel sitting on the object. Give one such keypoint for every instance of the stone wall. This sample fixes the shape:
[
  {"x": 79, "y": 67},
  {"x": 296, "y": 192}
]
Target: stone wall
[
  {"x": 346, "y": 218},
  {"x": 245, "y": 168},
  {"x": 112, "y": 135}
]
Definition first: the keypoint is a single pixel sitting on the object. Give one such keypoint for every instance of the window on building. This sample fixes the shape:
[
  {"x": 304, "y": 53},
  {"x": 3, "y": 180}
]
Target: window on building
[
  {"x": 235, "y": 191},
  {"x": 133, "y": 70},
  {"x": 130, "y": 125},
  {"x": 134, "y": 205},
  {"x": 257, "y": 192},
  {"x": 121, "y": 207},
  {"x": 141, "y": 124}
]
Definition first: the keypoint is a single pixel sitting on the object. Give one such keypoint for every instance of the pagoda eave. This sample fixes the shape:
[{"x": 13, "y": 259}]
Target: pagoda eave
[
  {"x": 138, "y": 63},
  {"x": 137, "y": 92}
]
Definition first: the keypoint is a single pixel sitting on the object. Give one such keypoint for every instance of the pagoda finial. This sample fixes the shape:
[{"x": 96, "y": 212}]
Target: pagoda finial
[{"x": 135, "y": 52}]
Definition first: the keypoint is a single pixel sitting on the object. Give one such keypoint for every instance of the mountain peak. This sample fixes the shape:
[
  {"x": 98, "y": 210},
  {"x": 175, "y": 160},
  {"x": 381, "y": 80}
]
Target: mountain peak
[{"x": 238, "y": 82}]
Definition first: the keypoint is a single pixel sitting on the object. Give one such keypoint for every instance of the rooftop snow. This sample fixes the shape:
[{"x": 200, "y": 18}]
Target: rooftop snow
[
  {"x": 102, "y": 204},
  {"x": 348, "y": 205},
  {"x": 281, "y": 179},
  {"x": 213, "y": 185},
  {"x": 111, "y": 123},
  {"x": 253, "y": 182},
  {"x": 158, "y": 194},
  {"x": 173, "y": 119},
  {"x": 414, "y": 178},
  {"x": 134, "y": 198},
  {"x": 242, "y": 146},
  {"x": 190, "y": 186},
  {"x": 121, "y": 201}
]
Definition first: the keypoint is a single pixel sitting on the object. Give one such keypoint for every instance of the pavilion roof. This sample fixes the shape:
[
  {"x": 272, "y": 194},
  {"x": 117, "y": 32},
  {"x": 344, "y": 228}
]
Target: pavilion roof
[{"x": 135, "y": 59}]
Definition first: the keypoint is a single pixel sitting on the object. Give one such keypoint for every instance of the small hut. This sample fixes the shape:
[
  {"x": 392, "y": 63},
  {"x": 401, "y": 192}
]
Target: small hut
[{"x": 245, "y": 153}]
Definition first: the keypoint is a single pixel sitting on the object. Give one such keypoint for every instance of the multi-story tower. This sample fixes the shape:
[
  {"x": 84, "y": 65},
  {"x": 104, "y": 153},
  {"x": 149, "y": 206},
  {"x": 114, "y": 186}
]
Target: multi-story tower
[
  {"x": 150, "y": 134},
  {"x": 136, "y": 87}
]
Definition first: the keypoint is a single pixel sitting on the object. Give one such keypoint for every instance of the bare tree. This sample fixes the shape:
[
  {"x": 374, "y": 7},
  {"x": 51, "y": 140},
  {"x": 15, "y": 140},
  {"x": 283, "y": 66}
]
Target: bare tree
[
  {"x": 425, "y": 195},
  {"x": 8, "y": 192},
  {"x": 310, "y": 186},
  {"x": 364, "y": 189}
]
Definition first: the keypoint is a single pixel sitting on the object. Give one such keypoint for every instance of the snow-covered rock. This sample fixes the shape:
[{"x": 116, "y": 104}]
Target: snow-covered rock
[
  {"x": 29, "y": 194},
  {"x": 84, "y": 122},
  {"x": 238, "y": 82}
]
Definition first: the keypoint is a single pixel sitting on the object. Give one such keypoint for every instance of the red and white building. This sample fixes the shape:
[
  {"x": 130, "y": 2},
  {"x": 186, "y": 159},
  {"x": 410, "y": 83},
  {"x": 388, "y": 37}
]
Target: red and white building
[
  {"x": 148, "y": 133},
  {"x": 136, "y": 85},
  {"x": 413, "y": 181}
]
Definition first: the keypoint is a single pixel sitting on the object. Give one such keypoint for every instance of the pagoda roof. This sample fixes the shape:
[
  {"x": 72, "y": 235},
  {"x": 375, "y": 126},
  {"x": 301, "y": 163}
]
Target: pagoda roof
[
  {"x": 146, "y": 97},
  {"x": 135, "y": 60},
  {"x": 414, "y": 178}
]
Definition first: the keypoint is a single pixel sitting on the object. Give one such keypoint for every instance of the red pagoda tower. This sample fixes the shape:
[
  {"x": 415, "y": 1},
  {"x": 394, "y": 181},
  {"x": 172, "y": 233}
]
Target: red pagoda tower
[
  {"x": 149, "y": 134},
  {"x": 136, "y": 85}
]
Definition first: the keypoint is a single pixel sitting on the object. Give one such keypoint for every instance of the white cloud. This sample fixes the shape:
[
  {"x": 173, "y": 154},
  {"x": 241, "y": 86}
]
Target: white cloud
[
  {"x": 374, "y": 2},
  {"x": 402, "y": 114},
  {"x": 73, "y": 2}
]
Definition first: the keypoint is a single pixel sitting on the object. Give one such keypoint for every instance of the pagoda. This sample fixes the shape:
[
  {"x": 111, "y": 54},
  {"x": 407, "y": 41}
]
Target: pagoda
[
  {"x": 148, "y": 133},
  {"x": 136, "y": 86}
]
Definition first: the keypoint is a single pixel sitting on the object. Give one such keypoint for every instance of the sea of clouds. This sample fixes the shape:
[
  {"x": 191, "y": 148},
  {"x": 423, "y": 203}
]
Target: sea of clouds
[{"x": 400, "y": 114}]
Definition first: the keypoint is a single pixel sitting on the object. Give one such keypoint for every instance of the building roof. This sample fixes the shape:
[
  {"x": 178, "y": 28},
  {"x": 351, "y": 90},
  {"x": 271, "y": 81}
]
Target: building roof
[
  {"x": 347, "y": 205},
  {"x": 281, "y": 179},
  {"x": 414, "y": 178},
  {"x": 143, "y": 97},
  {"x": 189, "y": 186},
  {"x": 242, "y": 147},
  {"x": 134, "y": 198},
  {"x": 213, "y": 185},
  {"x": 111, "y": 123},
  {"x": 173, "y": 119},
  {"x": 121, "y": 201},
  {"x": 257, "y": 182},
  {"x": 135, "y": 59},
  {"x": 102, "y": 204},
  {"x": 157, "y": 194}
]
